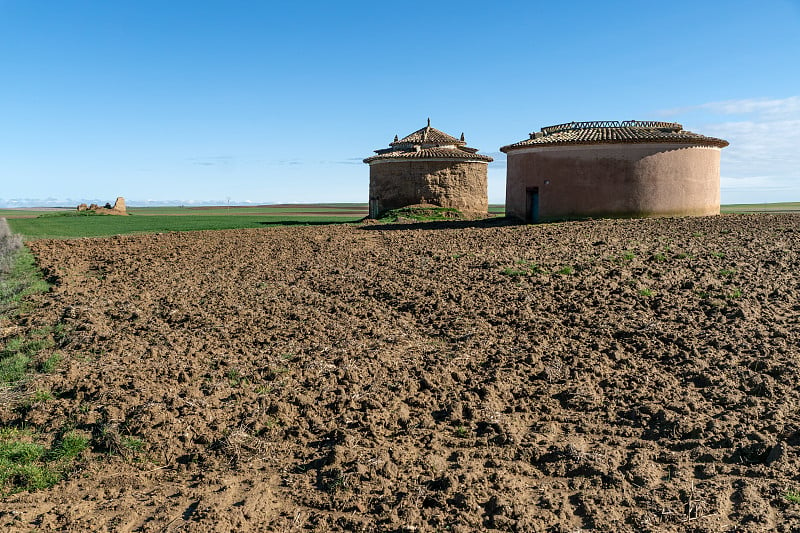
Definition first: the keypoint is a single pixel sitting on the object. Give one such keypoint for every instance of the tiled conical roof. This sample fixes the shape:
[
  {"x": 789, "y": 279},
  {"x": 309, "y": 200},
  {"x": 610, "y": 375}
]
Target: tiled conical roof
[
  {"x": 428, "y": 136},
  {"x": 426, "y": 143},
  {"x": 613, "y": 132}
]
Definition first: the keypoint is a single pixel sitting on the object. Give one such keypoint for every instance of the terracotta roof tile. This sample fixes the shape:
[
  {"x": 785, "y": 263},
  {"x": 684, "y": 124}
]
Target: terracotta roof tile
[
  {"x": 428, "y": 135},
  {"x": 632, "y": 132},
  {"x": 429, "y": 153},
  {"x": 427, "y": 143}
]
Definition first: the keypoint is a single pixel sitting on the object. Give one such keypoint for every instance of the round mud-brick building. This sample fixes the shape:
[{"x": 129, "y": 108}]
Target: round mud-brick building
[
  {"x": 612, "y": 169},
  {"x": 428, "y": 167}
]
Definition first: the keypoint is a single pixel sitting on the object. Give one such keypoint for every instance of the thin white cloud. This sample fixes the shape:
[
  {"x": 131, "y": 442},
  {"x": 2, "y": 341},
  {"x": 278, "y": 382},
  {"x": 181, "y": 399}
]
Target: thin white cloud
[
  {"x": 765, "y": 107},
  {"x": 751, "y": 183},
  {"x": 210, "y": 161},
  {"x": 760, "y": 148},
  {"x": 351, "y": 161},
  {"x": 768, "y": 108},
  {"x": 763, "y": 158}
]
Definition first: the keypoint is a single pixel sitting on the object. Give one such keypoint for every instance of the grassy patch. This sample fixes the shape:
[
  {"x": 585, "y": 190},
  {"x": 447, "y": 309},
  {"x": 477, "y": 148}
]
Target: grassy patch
[
  {"x": 422, "y": 214},
  {"x": 522, "y": 268},
  {"x": 133, "y": 444},
  {"x": 50, "y": 364},
  {"x": 21, "y": 280},
  {"x": 26, "y": 464},
  {"x": 235, "y": 378},
  {"x": 69, "y": 447},
  {"x": 626, "y": 257},
  {"x": 40, "y": 396},
  {"x": 16, "y": 357},
  {"x": 262, "y": 389}
]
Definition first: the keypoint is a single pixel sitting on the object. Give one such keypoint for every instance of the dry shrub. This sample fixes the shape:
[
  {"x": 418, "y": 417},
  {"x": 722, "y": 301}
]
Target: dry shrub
[
  {"x": 112, "y": 440},
  {"x": 9, "y": 244},
  {"x": 241, "y": 445}
]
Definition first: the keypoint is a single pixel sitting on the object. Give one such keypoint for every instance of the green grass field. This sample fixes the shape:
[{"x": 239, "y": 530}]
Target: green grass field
[
  {"x": 295, "y": 210},
  {"x": 66, "y": 224},
  {"x": 783, "y": 207},
  {"x": 67, "y": 227},
  {"x": 49, "y": 224},
  {"x": 28, "y": 213}
]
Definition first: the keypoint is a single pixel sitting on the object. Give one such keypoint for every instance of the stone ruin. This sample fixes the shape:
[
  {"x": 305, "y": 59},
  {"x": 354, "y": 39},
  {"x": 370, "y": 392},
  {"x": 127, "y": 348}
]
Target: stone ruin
[{"x": 117, "y": 209}]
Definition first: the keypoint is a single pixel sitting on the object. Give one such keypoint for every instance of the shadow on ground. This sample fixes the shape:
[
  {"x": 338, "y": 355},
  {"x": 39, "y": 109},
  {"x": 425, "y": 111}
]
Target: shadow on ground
[
  {"x": 443, "y": 224},
  {"x": 308, "y": 223}
]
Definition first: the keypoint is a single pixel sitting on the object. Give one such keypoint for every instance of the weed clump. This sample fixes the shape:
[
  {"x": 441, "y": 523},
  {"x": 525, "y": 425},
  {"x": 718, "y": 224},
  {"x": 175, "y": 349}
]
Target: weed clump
[{"x": 523, "y": 268}]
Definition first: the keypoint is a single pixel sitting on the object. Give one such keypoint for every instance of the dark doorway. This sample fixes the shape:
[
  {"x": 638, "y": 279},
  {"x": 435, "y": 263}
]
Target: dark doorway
[{"x": 532, "y": 208}]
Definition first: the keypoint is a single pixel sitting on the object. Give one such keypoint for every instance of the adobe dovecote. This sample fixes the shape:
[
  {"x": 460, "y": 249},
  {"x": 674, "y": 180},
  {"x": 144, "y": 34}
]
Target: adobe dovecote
[{"x": 431, "y": 167}]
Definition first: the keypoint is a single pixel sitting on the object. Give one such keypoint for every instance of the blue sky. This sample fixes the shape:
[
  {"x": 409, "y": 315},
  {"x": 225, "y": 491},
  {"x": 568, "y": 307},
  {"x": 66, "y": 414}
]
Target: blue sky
[{"x": 205, "y": 101}]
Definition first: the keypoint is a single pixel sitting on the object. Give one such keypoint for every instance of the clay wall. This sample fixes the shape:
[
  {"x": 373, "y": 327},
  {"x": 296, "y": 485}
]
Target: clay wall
[
  {"x": 613, "y": 180},
  {"x": 458, "y": 184}
]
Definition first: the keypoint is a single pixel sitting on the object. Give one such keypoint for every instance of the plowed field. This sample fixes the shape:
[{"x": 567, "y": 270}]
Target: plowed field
[{"x": 637, "y": 375}]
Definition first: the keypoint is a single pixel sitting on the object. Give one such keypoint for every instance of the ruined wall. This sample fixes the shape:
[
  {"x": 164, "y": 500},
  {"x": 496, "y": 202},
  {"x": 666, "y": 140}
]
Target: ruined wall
[
  {"x": 626, "y": 180},
  {"x": 117, "y": 209},
  {"x": 458, "y": 184}
]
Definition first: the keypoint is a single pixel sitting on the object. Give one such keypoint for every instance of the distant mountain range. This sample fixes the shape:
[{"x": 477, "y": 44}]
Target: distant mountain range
[{"x": 70, "y": 202}]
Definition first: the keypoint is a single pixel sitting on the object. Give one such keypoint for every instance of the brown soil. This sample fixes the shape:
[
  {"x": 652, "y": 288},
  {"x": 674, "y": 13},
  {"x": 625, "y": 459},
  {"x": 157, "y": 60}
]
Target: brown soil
[{"x": 427, "y": 378}]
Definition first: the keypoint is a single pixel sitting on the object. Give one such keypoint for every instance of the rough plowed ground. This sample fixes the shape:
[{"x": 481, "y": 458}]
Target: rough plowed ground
[{"x": 637, "y": 375}]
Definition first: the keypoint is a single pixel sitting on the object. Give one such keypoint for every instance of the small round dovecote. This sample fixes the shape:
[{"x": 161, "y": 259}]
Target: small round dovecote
[{"x": 430, "y": 167}]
